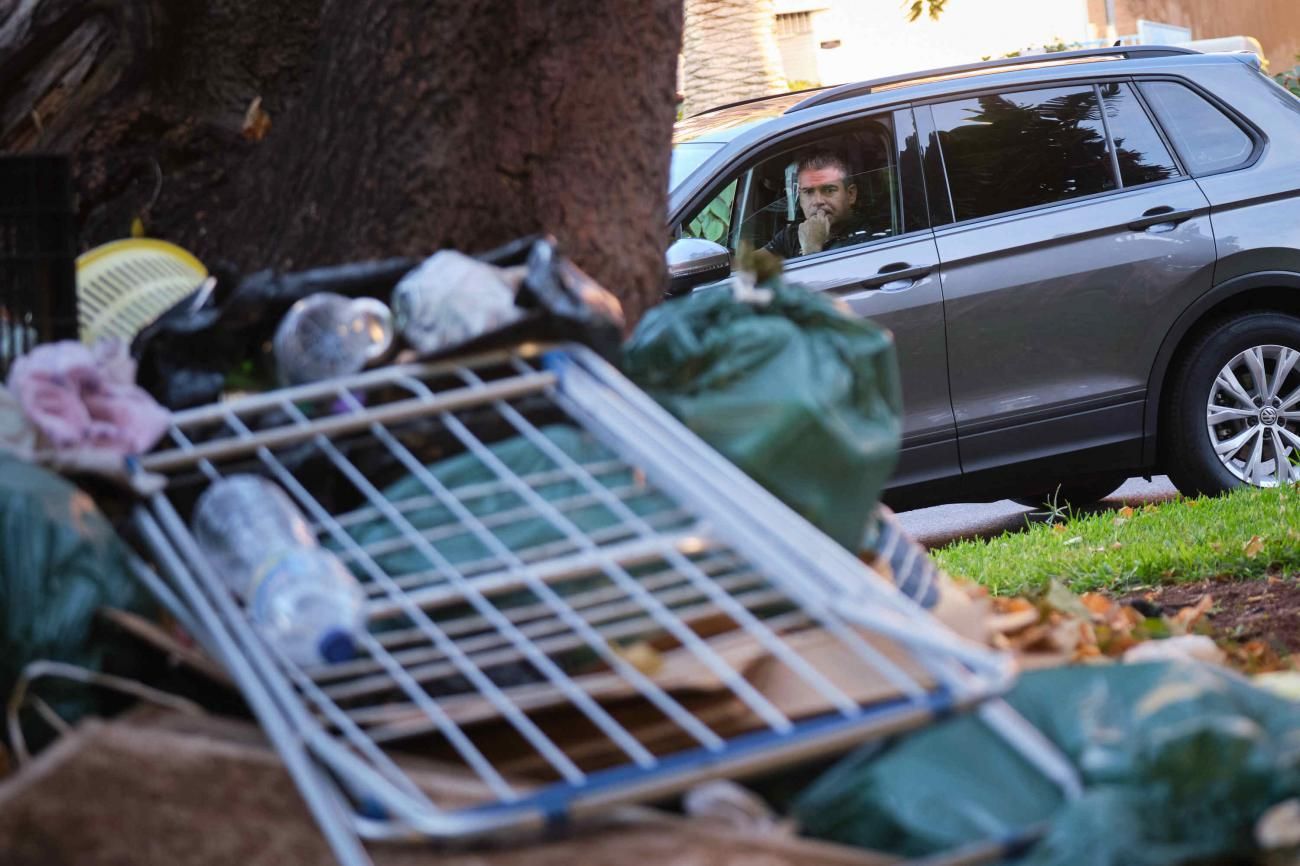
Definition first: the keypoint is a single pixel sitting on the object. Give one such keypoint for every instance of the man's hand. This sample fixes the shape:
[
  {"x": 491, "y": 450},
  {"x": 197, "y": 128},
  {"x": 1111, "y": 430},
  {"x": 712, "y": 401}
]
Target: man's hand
[{"x": 813, "y": 233}]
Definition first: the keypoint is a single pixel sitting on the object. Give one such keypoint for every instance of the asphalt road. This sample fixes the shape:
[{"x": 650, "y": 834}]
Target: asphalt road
[{"x": 936, "y": 526}]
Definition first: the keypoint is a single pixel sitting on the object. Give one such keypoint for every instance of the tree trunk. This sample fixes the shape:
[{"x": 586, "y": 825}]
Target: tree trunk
[
  {"x": 729, "y": 53},
  {"x": 397, "y": 127}
]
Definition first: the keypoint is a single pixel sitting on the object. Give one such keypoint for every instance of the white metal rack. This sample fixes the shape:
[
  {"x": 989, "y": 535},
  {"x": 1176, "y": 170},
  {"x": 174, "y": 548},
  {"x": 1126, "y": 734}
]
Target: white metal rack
[{"x": 570, "y": 596}]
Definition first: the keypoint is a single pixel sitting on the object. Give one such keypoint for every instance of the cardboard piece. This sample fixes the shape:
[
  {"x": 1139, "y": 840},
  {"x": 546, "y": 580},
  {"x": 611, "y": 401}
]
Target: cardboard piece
[{"x": 175, "y": 791}]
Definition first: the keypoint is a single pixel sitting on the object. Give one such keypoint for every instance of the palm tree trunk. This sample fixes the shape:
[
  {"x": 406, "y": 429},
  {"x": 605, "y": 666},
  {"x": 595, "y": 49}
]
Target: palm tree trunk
[{"x": 729, "y": 53}]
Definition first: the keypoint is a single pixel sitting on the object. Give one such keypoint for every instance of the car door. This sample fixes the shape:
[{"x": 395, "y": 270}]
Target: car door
[
  {"x": 1076, "y": 240},
  {"x": 892, "y": 279}
]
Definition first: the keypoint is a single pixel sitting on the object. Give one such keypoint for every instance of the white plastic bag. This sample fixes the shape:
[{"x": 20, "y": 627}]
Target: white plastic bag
[{"x": 451, "y": 299}]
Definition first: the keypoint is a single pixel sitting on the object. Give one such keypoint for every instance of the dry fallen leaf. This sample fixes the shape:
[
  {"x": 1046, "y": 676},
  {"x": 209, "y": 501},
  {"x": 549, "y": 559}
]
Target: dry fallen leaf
[
  {"x": 1116, "y": 545},
  {"x": 643, "y": 657},
  {"x": 1097, "y": 604},
  {"x": 1253, "y": 547},
  {"x": 1189, "y": 616},
  {"x": 257, "y": 123},
  {"x": 1058, "y": 527},
  {"x": 1075, "y": 540},
  {"x": 1126, "y": 512}
]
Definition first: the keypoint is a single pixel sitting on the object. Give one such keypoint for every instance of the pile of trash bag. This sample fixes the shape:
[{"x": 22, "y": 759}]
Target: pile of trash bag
[
  {"x": 1179, "y": 761},
  {"x": 449, "y": 303},
  {"x": 797, "y": 392}
]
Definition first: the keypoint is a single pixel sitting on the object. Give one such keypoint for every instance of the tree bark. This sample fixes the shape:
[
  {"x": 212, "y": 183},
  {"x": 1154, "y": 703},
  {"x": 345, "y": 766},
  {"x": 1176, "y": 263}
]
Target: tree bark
[{"x": 397, "y": 127}]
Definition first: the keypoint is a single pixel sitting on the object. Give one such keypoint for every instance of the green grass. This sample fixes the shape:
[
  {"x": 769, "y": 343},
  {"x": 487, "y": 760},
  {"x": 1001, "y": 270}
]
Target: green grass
[{"x": 1181, "y": 540}]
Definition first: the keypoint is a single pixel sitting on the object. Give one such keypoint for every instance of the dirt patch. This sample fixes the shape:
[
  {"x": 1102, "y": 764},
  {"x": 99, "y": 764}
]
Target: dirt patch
[{"x": 1265, "y": 610}]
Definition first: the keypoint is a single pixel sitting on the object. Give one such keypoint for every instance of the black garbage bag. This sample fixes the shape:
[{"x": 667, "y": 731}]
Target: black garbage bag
[
  {"x": 801, "y": 395},
  {"x": 1178, "y": 761},
  {"x": 186, "y": 356},
  {"x": 60, "y": 561}
]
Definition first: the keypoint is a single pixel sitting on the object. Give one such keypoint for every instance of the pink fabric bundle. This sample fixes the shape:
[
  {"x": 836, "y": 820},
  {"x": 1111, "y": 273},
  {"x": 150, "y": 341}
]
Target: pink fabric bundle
[{"x": 79, "y": 398}]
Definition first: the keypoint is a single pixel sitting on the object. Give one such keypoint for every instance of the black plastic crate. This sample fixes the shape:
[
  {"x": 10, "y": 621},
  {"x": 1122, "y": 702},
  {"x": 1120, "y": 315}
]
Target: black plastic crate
[{"x": 38, "y": 252}]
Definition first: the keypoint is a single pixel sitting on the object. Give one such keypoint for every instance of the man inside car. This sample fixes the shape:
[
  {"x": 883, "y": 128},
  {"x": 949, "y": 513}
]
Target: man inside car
[{"x": 826, "y": 197}]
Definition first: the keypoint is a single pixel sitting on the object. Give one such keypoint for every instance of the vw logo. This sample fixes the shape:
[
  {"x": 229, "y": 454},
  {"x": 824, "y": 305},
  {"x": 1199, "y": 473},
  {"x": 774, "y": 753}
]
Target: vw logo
[{"x": 1268, "y": 416}]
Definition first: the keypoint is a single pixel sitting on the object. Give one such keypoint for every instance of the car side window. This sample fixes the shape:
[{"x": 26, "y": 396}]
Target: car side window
[
  {"x": 1008, "y": 151},
  {"x": 1143, "y": 157},
  {"x": 1206, "y": 138},
  {"x": 713, "y": 223},
  {"x": 848, "y": 181}
]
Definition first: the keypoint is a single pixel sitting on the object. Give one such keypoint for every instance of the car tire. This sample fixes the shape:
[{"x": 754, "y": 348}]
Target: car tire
[
  {"x": 1208, "y": 451},
  {"x": 1079, "y": 494}
]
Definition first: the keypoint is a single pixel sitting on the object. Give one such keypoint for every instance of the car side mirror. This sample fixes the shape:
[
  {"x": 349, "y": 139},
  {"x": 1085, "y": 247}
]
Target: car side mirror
[{"x": 693, "y": 262}]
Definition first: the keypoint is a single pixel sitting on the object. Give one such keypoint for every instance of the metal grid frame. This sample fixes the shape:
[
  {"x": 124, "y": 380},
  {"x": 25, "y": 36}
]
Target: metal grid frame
[{"x": 724, "y": 548}]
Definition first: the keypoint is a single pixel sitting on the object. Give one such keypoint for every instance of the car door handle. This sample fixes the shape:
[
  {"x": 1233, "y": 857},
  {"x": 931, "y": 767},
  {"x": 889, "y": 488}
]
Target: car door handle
[
  {"x": 1163, "y": 215},
  {"x": 899, "y": 272}
]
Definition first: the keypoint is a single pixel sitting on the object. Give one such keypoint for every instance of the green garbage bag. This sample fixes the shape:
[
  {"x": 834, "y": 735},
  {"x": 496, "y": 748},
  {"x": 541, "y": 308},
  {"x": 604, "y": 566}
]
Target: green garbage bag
[
  {"x": 1178, "y": 761},
  {"x": 802, "y": 396},
  {"x": 60, "y": 561}
]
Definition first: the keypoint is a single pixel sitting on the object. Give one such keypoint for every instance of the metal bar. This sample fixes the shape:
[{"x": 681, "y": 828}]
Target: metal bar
[
  {"x": 340, "y": 425},
  {"x": 595, "y": 600},
  {"x": 473, "y": 491},
  {"x": 519, "y": 575},
  {"x": 474, "y": 567},
  {"x": 313, "y": 391},
  {"x": 626, "y": 620}
]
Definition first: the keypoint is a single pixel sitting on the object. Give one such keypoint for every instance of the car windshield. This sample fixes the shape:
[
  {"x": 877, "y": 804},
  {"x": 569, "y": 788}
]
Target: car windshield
[{"x": 687, "y": 158}]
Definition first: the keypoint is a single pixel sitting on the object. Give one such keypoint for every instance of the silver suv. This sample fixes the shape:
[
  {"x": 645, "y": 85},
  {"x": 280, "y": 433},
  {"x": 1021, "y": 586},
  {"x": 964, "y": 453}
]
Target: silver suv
[{"x": 1090, "y": 261}]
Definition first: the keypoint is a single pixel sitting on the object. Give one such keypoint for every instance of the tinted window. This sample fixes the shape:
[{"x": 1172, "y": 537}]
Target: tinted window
[
  {"x": 1143, "y": 157},
  {"x": 1204, "y": 136},
  {"x": 1009, "y": 151}
]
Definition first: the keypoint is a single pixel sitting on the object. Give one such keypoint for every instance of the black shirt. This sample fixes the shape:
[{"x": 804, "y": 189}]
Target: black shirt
[{"x": 851, "y": 232}]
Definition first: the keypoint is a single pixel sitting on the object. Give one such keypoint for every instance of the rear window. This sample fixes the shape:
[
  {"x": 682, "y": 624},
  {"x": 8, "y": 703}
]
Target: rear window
[
  {"x": 1206, "y": 138},
  {"x": 1008, "y": 151}
]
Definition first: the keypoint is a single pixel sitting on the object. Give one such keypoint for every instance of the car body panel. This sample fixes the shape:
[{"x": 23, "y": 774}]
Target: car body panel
[
  {"x": 913, "y": 311},
  {"x": 1062, "y": 309}
]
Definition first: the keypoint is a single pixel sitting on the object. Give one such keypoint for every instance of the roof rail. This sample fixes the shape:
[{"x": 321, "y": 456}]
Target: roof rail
[
  {"x": 862, "y": 88},
  {"x": 763, "y": 98}
]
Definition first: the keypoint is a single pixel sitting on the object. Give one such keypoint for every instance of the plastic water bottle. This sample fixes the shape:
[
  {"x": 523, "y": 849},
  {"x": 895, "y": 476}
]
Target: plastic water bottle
[{"x": 299, "y": 595}]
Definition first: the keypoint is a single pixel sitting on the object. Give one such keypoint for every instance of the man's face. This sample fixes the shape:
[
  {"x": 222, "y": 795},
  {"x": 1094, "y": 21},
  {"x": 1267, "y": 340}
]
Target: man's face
[{"x": 826, "y": 191}]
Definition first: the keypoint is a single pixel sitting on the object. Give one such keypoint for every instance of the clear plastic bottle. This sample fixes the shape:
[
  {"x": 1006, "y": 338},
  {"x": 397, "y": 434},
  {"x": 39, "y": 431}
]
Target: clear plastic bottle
[{"x": 299, "y": 595}]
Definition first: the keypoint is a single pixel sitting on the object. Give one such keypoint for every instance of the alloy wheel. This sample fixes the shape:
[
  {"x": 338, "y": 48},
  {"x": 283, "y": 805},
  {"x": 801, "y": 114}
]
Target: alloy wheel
[{"x": 1253, "y": 415}]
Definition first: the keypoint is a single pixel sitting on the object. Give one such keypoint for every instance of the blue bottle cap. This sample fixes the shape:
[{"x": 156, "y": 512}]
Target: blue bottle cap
[{"x": 337, "y": 646}]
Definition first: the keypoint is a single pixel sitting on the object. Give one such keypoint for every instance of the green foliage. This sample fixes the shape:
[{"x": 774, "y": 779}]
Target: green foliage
[
  {"x": 714, "y": 222},
  {"x": 1290, "y": 79},
  {"x": 1249, "y": 532}
]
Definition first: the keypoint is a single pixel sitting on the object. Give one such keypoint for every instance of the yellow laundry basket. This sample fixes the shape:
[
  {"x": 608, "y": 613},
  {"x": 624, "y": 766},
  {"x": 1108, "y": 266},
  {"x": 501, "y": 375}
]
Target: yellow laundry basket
[{"x": 124, "y": 285}]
